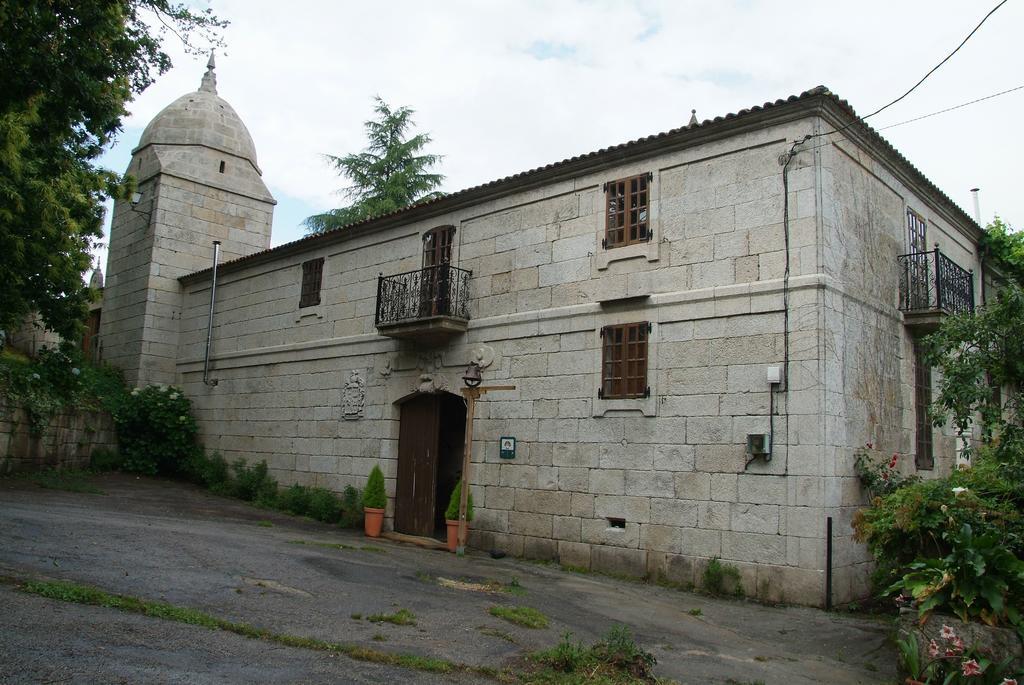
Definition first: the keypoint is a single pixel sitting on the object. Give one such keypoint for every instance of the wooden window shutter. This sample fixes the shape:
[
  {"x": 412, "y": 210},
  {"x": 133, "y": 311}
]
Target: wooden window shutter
[
  {"x": 627, "y": 215},
  {"x": 624, "y": 361},
  {"x": 312, "y": 275},
  {"x": 924, "y": 456}
]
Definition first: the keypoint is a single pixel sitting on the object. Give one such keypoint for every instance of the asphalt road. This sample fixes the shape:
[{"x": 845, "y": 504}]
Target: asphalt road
[{"x": 167, "y": 541}]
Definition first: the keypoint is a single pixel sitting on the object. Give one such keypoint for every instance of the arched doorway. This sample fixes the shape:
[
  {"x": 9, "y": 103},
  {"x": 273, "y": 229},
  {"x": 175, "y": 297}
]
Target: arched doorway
[{"x": 430, "y": 447}]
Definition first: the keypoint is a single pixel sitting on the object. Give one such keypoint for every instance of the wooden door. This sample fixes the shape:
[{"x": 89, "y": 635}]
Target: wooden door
[
  {"x": 437, "y": 255},
  {"x": 417, "y": 465}
]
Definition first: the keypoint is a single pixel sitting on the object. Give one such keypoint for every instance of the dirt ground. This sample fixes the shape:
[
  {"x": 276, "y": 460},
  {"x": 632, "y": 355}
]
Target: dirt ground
[{"x": 161, "y": 540}]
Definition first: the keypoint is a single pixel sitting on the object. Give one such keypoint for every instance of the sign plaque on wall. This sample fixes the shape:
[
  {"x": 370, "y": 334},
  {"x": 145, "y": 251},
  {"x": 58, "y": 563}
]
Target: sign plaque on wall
[{"x": 507, "y": 448}]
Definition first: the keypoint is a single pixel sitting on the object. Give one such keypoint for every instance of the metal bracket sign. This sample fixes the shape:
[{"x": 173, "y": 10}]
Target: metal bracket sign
[{"x": 507, "y": 448}]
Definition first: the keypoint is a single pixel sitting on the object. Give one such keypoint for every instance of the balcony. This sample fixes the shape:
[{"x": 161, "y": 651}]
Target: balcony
[
  {"x": 933, "y": 286},
  {"x": 430, "y": 305}
]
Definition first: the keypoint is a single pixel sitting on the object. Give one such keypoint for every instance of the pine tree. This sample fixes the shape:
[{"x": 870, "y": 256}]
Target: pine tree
[{"x": 391, "y": 173}]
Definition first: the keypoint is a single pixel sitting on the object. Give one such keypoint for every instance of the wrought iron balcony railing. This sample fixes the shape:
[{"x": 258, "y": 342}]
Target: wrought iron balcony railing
[
  {"x": 435, "y": 291},
  {"x": 933, "y": 281}
]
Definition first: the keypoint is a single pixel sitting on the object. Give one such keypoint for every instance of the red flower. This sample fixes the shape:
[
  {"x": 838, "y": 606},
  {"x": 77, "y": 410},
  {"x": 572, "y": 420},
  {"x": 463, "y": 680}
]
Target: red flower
[
  {"x": 971, "y": 668},
  {"x": 933, "y": 649},
  {"x": 892, "y": 462},
  {"x": 868, "y": 445}
]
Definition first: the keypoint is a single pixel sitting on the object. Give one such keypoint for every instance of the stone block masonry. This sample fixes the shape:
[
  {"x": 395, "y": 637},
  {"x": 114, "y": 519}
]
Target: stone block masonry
[
  {"x": 68, "y": 441},
  {"x": 657, "y": 484}
]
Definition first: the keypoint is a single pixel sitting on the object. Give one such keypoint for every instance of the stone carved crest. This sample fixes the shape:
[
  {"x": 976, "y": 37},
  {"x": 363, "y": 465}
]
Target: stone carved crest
[
  {"x": 384, "y": 370},
  {"x": 353, "y": 397},
  {"x": 482, "y": 355}
]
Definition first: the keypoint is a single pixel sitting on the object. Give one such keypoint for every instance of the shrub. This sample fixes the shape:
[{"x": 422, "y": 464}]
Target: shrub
[
  {"x": 351, "y": 508},
  {"x": 619, "y": 650},
  {"x": 912, "y": 523},
  {"x": 324, "y": 505},
  {"x": 155, "y": 430},
  {"x": 452, "y": 513},
  {"x": 717, "y": 574},
  {"x": 879, "y": 477},
  {"x": 374, "y": 496},
  {"x": 978, "y": 580},
  {"x": 104, "y": 459},
  {"x": 294, "y": 500},
  {"x": 253, "y": 483},
  {"x": 211, "y": 472}
]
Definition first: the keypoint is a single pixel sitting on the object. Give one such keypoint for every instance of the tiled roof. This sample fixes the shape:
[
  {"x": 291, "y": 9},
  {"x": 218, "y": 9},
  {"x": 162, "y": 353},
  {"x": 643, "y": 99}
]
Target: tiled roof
[{"x": 510, "y": 183}]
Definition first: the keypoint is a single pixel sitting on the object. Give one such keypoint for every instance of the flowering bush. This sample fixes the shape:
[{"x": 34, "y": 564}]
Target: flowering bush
[
  {"x": 978, "y": 580},
  {"x": 879, "y": 477},
  {"x": 155, "y": 430},
  {"x": 950, "y": 661},
  {"x": 922, "y": 520}
]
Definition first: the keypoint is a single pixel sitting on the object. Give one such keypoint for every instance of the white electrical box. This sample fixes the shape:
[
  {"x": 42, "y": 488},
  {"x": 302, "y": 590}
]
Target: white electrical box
[{"x": 774, "y": 375}]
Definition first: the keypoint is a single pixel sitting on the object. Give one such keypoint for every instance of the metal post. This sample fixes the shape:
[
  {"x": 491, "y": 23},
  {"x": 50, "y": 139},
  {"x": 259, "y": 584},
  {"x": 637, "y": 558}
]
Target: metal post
[
  {"x": 209, "y": 319},
  {"x": 938, "y": 279},
  {"x": 828, "y": 564},
  {"x": 471, "y": 394}
]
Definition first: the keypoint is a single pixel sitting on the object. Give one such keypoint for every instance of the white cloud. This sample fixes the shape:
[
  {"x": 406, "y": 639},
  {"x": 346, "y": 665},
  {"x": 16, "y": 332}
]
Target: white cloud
[{"x": 507, "y": 86}]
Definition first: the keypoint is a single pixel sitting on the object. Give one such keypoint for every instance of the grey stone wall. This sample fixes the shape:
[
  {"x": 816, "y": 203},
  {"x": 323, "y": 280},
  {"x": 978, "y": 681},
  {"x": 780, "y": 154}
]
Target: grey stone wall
[
  {"x": 69, "y": 440},
  {"x": 673, "y": 465},
  {"x": 186, "y": 204},
  {"x": 868, "y": 351}
]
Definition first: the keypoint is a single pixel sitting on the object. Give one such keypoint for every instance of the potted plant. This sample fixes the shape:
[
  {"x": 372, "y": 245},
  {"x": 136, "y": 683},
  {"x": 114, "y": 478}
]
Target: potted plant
[
  {"x": 451, "y": 515},
  {"x": 374, "y": 502}
]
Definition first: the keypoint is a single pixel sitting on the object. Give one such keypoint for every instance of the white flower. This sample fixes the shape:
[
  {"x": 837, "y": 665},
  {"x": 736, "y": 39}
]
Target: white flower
[
  {"x": 173, "y": 396},
  {"x": 76, "y": 371},
  {"x": 135, "y": 391},
  {"x": 959, "y": 491},
  {"x": 182, "y": 418},
  {"x": 35, "y": 376}
]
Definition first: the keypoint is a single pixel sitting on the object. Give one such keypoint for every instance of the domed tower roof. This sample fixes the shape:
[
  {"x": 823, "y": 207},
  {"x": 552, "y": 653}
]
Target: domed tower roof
[{"x": 201, "y": 118}]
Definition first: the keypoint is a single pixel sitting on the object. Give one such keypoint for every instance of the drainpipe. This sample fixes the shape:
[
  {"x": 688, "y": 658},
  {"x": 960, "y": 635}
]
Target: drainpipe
[
  {"x": 209, "y": 320},
  {"x": 981, "y": 252}
]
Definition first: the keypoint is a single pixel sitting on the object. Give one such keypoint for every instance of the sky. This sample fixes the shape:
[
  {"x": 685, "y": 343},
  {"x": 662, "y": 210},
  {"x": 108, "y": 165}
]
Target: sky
[{"x": 502, "y": 86}]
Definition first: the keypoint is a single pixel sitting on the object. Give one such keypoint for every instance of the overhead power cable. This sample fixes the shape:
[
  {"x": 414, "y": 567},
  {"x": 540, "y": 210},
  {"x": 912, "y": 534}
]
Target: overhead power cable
[
  {"x": 950, "y": 109},
  {"x": 936, "y": 67},
  {"x": 923, "y": 78}
]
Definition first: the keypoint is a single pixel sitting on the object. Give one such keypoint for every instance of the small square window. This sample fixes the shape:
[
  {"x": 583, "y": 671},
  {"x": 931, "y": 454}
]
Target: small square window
[
  {"x": 624, "y": 361},
  {"x": 312, "y": 275},
  {"x": 627, "y": 211}
]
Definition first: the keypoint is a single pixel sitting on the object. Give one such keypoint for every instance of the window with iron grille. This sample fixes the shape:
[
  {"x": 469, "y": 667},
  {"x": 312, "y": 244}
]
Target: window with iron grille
[
  {"x": 923, "y": 454},
  {"x": 312, "y": 274},
  {"x": 624, "y": 361},
  {"x": 917, "y": 239},
  {"x": 627, "y": 211}
]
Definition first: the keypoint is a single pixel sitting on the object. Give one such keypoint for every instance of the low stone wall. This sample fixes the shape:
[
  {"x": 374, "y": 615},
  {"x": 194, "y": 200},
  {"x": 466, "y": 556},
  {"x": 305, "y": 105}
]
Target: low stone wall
[
  {"x": 68, "y": 441},
  {"x": 1001, "y": 642}
]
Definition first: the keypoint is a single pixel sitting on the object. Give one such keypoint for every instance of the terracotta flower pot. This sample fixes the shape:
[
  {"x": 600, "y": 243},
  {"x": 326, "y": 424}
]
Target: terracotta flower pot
[
  {"x": 453, "y": 533},
  {"x": 373, "y": 519}
]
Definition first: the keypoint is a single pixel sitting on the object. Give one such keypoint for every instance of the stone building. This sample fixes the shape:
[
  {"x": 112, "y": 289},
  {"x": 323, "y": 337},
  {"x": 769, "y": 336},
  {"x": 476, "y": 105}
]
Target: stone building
[{"x": 702, "y": 327}]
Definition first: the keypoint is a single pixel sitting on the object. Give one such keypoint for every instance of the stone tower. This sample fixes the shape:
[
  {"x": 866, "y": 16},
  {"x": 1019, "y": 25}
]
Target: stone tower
[{"x": 198, "y": 181}]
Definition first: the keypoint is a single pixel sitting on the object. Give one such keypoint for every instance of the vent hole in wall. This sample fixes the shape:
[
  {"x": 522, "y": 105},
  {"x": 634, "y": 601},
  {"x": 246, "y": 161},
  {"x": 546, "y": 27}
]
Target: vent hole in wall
[
  {"x": 222, "y": 166},
  {"x": 616, "y": 522}
]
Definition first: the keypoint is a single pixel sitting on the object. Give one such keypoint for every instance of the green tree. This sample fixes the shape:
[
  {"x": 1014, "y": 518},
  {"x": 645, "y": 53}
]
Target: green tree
[
  {"x": 68, "y": 69},
  {"x": 1006, "y": 247},
  {"x": 981, "y": 359},
  {"x": 391, "y": 173}
]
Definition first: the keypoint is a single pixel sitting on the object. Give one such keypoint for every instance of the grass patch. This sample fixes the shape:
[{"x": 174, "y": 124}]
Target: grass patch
[
  {"x": 494, "y": 632},
  {"x": 76, "y": 593},
  {"x": 70, "y": 480},
  {"x": 696, "y": 612},
  {"x": 356, "y": 617},
  {"x": 336, "y": 545},
  {"x": 380, "y": 637},
  {"x": 402, "y": 617},
  {"x": 521, "y": 616},
  {"x": 614, "y": 660},
  {"x": 264, "y": 524},
  {"x": 720, "y": 579}
]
